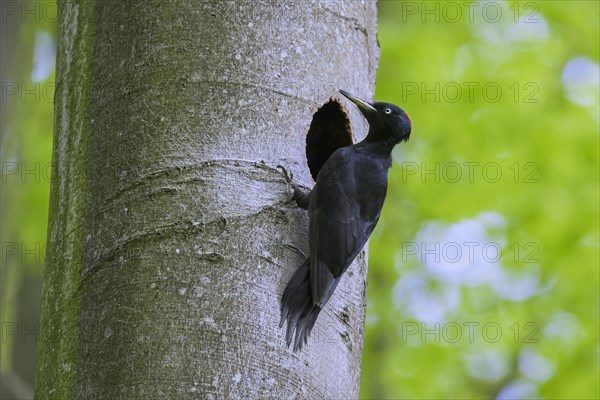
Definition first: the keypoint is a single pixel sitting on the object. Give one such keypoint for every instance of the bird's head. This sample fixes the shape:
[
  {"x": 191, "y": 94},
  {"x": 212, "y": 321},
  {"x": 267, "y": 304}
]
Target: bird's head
[{"x": 386, "y": 120}]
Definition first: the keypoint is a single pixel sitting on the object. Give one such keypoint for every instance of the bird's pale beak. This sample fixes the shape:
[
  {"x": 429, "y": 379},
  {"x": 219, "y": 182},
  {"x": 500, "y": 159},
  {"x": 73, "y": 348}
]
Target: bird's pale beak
[{"x": 364, "y": 106}]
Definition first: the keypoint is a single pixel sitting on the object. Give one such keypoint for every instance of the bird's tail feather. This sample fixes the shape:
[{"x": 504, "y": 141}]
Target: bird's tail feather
[{"x": 297, "y": 307}]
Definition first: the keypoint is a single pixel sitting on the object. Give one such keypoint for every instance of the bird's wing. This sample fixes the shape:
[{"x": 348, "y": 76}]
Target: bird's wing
[{"x": 338, "y": 229}]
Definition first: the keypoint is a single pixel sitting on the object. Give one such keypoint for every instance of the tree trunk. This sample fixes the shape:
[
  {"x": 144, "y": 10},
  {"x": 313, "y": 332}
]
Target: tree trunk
[{"x": 172, "y": 233}]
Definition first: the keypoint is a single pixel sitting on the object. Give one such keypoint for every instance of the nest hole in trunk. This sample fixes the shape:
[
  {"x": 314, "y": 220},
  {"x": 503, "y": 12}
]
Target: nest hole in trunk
[{"x": 329, "y": 130}]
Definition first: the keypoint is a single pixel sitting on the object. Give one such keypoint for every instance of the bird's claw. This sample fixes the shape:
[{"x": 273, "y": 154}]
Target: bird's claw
[
  {"x": 289, "y": 177},
  {"x": 300, "y": 196}
]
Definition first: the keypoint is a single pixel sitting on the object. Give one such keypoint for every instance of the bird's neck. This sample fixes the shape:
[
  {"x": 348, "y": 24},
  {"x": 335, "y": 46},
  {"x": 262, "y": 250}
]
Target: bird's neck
[{"x": 379, "y": 145}]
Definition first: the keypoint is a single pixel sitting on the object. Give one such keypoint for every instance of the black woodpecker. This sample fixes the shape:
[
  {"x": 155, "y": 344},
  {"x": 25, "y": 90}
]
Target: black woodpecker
[{"x": 344, "y": 207}]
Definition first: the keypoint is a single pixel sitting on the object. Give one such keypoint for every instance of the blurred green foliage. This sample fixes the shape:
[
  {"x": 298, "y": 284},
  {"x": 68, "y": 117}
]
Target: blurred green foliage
[
  {"x": 515, "y": 168},
  {"x": 507, "y": 88},
  {"x": 25, "y": 156}
]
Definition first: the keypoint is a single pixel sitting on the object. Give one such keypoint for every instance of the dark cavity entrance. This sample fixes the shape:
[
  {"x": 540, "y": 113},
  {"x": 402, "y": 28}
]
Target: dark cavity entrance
[{"x": 329, "y": 130}]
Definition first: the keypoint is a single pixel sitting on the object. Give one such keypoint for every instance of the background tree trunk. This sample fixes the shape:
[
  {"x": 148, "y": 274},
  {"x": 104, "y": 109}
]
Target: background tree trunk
[{"x": 171, "y": 232}]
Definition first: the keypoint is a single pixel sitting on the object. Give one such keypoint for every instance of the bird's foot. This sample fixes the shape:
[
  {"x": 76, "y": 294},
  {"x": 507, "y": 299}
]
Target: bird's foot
[
  {"x": 289, "y": 177},
  {"x": 301, "y": 196}
]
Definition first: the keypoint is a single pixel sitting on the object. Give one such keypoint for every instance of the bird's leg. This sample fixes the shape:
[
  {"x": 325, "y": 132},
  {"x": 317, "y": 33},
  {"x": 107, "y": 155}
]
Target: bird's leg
[{"x": 301, "y": 196}]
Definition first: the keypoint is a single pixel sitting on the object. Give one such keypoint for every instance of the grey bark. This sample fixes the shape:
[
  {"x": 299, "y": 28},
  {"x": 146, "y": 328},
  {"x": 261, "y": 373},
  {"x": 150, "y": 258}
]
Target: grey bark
[{"x": 172, "y": 233}]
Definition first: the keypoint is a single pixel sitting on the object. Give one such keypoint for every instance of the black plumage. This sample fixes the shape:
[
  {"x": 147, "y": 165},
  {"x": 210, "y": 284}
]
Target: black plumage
[{"x": 344, "y": 207}]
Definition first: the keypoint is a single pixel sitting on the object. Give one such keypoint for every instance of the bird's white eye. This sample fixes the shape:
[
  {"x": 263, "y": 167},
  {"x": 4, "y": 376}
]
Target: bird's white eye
[{"x": 387, "y": 111}]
